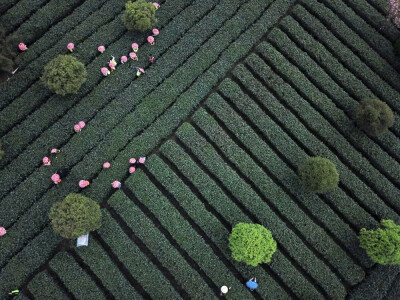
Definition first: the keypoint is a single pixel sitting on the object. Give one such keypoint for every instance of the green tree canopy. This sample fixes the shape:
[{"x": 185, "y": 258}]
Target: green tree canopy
[
  {"x": 318, "y": 174},
  {"x": 252, "y": 244},
  {"x": 383, "y": 244},
  {"x": 64, "y": 75},
  {"x": 75, "y": 215},
  {"x": 373, "y": 116},
  {"x": 139, "y": 15}
]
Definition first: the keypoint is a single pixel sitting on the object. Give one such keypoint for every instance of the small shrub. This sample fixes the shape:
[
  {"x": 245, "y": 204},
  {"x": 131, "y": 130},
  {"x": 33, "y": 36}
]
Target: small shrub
[
  {"x": 318, "y": 175},
  {"x": 373, "y": 116},
  {"x": 64, "y": 75},
  {"x": 75, "y": 215},
  {"x": 382, "y": 245},
  {"x": 139, "y": 15},
  {"x": 252, "y": 244}
]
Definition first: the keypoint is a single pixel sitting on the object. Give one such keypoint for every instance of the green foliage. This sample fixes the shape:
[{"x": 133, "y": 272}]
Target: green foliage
[
  {"x": 75, "y": 215},
  {"x": 252, "y": 244},
  {"x": 373, "y": 116},
  {"x": 318, "y": 175},
  {"x": 64, "y": 75},
  {"x": 383, "y": 244},
  {"x": 139, "y": 15}
]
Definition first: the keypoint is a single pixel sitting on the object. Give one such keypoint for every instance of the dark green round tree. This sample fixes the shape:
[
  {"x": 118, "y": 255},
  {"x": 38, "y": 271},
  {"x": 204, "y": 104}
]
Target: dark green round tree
[
  {"x": 139, "y": 15},
  {"x": 75, "y": 215},
  {"x": 373, "y": 116},
  {"x": 252, "y": 244},
  {"x": 318, "y": 175},
  {"x": 382, "y": 245},
  {"x": 64, "y": 75}
]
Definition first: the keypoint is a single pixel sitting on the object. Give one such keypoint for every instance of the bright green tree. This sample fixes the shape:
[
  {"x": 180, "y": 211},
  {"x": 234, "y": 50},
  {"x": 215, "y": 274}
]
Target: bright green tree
[
  {"x": 75, "y": 215},
  {"x": 252, "y": 244},
  {"x": 383, "y": 244},
  {"x": 373, "y": 116},
  {"x": 64, "y": 75},
  {"x": 139, "y": 15},
  {"x": 318, "y": 174}
]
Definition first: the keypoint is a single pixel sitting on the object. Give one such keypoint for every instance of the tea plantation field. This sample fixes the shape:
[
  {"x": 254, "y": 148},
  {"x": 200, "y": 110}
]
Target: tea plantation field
[{"x": 241, "y": 92}]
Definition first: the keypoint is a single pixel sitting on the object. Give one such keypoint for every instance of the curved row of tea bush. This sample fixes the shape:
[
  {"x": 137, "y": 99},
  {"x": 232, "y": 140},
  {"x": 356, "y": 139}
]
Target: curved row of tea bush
[
  {"x": 46, "y": 201},
  {"x": 135, "y": 261},
  {"x": 342, "y": 107},
  {"x": 71, "y": 156},
  {"x": 254, "y": 144},
  {"x": 103, "y": 267},
  {"x": 283, "y": 200},
  {"x": 167, "y": 252},
  {"x": 40, "y": 184},
  {"x": 262, "y": 212},
  {"x": 50, "y": 45},
  {"x": 332, "y": 146},
  {"x": 57, "y": 135},
  {"x": 358, "y": 69},
  {"x": 355, "y": 77},
  {"x": 384, "y": 164},
  {"x": 313, "y": 16},
  {"x": 227, "y": 211},
  {"x": 189, "y": 221},
  {"x": 167, "y": 122},
  {"x": 77, "y": 280},
  {"x": 36, "y": 97}
]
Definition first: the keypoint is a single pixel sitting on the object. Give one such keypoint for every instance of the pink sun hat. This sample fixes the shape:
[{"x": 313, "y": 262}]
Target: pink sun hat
[
  {"x": 132, "y": 160},
  {"x": 22, "y": 47},
  {"x": 83, "y": 183},
  {"x": 70, "y": 46},
  {"x": 101, "y": 49},
  {"x": 77, "y": 128},
  {"x": 135, "y": 47},
  {"x": 124, "y": 59},
  {"x": 156, "y": 5},
  {"x": 155, "y": 32},
  {"x": 142, "y": 159},
  {"x": 46, "y": 161},
  {"x": 116, "y": 184},
  {"x": 132, "y": 170},
  {"x": 3, "y": 231},
  {"x": 133, "y": 56},
  {"x": 141, "y": 70},
  {"x": 150, "y": 40},
  {"x": 81, "y": 124},
  {"x": 55, "y": 150},
  {"x": 105, "y": 71},
  {"x": 106, "y": 165},
  {"x": 56, "y": 178}
]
